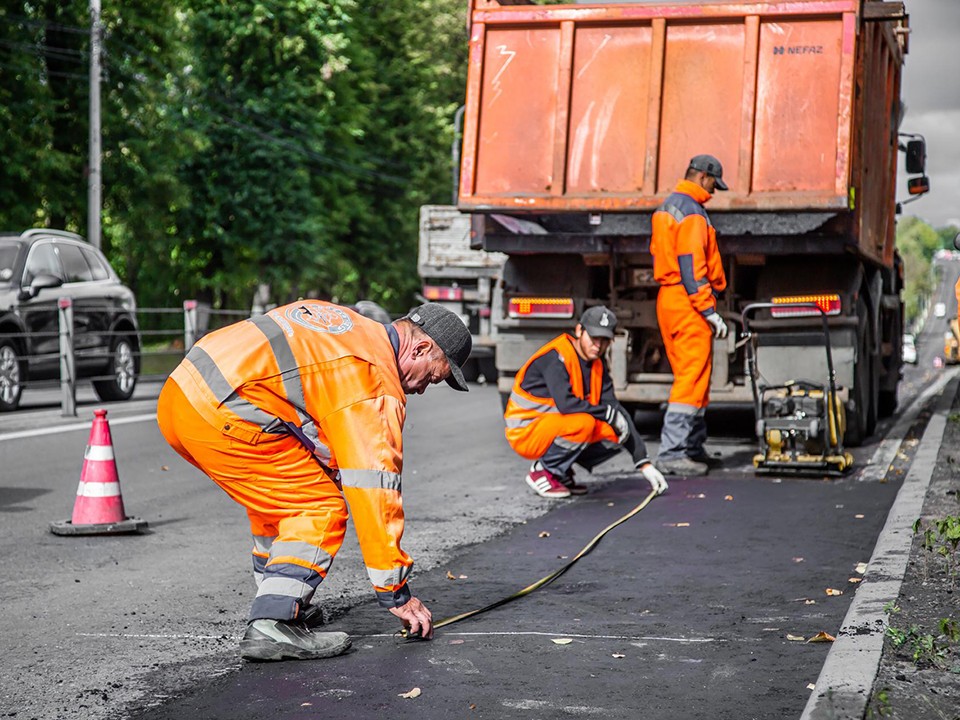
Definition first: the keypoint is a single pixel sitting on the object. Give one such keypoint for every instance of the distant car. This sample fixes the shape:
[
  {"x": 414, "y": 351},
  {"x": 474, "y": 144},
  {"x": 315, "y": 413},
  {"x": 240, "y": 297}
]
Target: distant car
[
  {"x": 37, "y": 268},
  {"x": 940, "y": 309},
  {"x": 909, "y": 349}
]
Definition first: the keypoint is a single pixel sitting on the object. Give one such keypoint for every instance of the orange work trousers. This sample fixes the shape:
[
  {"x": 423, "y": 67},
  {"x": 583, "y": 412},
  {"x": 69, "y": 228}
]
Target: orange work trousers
[
  {"x": 533, "y": 440},
  {"x": 688, "y": 340},
  {"x": 297, "y": 514}
]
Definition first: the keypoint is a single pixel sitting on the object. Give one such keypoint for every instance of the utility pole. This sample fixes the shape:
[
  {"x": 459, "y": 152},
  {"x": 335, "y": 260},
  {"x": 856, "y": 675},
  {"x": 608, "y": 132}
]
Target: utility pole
[{"x": 94, "y": 178}]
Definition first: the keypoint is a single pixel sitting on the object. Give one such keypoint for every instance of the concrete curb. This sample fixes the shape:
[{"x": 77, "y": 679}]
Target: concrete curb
[{"x": 846, "y": 679}]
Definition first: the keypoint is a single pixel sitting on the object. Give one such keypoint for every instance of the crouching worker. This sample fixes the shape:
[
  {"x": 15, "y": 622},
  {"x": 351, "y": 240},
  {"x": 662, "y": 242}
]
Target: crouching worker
[
  {"x": 563, "y": 411},
  {"x": 295, "y": 415}
]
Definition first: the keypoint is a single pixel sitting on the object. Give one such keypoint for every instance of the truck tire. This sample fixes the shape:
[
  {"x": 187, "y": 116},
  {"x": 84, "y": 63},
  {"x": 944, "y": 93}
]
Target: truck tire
[
  {"x": 11, "y": 375},
  {"x": 471, "y": 370},
  {"x": 863, "y": 420}
]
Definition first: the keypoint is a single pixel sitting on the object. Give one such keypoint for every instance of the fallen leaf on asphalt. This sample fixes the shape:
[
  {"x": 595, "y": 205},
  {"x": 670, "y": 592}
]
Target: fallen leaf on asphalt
[
  {"x": 809, "y": 602},
  {"x": 811, "y": 686},
  {"x": 164, "y": 468},
  {"x": 544, "y": 534},
  {"x": 859, "y": 516},
  {"x": 822, "y": 637},
  {"x": 562, "y": 557},
  {"x": 795, "y": 638},
  {"x": 798, "y": 559},
  {"x": 561, "y": 641},
  {"x": 306, "y": 704},
  {"x": 728, "y": 497},
  {"x": 451, "y": 576},
  {"x": 473, "y": 706},
  {"x": 412, "y": 694},
  {"x": 609, "y": 504},
  {"x": 832, "y": 591},
  {"x": 861, "y": 568},
  {"x": 854, "y": 580},
  {"x": 461, "y": 577},
  {"x": 618, "y": 655},
  {"x": 456, "y": 642}
]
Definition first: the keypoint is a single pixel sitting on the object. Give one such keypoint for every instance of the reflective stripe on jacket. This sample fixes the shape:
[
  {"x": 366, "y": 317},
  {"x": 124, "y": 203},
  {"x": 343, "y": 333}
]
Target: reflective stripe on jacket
[
  {"x": 333, "y": 373},
  {"x": 523, "y": 408},
  {"x": 684, "y": 247}
]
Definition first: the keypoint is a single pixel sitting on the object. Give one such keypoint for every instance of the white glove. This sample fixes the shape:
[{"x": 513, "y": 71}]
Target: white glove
[
  {"x": 653, "y": 476},
  {"x": 618, "y": 421},
  {"x": 719, "y": 326}
]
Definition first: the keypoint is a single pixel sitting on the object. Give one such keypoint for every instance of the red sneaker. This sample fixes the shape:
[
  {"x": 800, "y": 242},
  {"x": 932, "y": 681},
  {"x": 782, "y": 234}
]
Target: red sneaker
[{"x": 545, "y": 484}]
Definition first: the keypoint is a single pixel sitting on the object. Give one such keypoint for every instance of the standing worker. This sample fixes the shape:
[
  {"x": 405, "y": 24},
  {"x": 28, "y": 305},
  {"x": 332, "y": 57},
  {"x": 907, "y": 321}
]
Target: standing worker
[
  {"x": 563, "y": 411},
  {"x": 686, "y": 263},
  {"x": 295, "y": 415}
]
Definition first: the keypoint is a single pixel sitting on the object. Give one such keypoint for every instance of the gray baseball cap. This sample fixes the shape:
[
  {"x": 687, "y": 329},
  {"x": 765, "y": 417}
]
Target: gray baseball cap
[
  {"x": 449, "y": 333},
  {"x": 711, "y": 166},
  {"x": 599, "y": 322}
]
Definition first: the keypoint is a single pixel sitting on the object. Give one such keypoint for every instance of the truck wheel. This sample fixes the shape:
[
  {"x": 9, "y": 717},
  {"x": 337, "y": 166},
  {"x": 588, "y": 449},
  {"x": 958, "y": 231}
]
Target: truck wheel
[
  {"x": 123, "y": 372},
  {"x": 488, "y": 368},
  {"x": 471, "y": 370},
  {"x": 864, "y": 389},
  {"x": 887, "y": 402},
  {"x": 11, "y": 376}
]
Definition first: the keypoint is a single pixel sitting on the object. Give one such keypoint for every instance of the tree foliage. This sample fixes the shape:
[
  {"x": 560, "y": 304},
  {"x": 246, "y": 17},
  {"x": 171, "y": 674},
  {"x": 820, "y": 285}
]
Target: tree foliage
[{"x": 287, "y": 143}]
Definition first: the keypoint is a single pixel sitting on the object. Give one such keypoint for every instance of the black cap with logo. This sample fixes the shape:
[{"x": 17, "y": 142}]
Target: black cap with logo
[
  {"x": 711, "y": 166},
  {"x": 599, "y": 322},
  {"x": 447, "y": 330}
]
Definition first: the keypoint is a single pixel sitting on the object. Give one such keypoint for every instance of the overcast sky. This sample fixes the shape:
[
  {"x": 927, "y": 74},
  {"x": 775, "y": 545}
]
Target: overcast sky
[{"x": 931, "y": 91}]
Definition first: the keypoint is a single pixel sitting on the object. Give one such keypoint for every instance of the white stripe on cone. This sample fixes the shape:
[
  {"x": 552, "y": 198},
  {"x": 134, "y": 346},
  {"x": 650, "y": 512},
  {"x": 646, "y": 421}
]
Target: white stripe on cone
[
  {"x": 98, "y": 489},
  {"x": 98, "y": 452}
]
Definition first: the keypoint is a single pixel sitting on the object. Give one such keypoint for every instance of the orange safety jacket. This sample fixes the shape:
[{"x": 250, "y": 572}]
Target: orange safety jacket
[
  {"x": 332, "y": 373},
  {"x": 956, "y": 291},
  {"x": 523, "y": 408},
  {"x": 684, "y": 247}
]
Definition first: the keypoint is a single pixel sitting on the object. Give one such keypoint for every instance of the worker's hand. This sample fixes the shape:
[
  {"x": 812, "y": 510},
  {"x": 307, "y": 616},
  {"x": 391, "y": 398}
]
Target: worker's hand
[
  {"x": 653, "y": 476},
  {"x": 416, "y": 618},
  {"x": 618, "y": 421},
  {"x": 719, "y": 326}
]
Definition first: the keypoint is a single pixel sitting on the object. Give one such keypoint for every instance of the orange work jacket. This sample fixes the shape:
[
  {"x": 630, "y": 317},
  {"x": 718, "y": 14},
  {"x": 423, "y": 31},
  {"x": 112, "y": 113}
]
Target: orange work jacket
[
  {"x": 523, "y": 408},
  {"x": 684, "y": 247},
  {"x": 333, "y": 373}
]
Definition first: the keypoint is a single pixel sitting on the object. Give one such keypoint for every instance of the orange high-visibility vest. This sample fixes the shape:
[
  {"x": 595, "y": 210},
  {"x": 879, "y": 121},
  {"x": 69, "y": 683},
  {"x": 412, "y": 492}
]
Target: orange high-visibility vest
[
  {"x": 523, "y": 408},
  {"x": 334, "y": 374}
]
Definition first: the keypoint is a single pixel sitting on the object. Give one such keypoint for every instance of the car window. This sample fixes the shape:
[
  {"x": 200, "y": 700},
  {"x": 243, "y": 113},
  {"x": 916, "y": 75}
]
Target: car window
[
  {"x": 73, "y": 263},
  {"x": 42, "y": 261},
  {"x": 8, "y": 258},
  {"x": 96, "y": 263}
]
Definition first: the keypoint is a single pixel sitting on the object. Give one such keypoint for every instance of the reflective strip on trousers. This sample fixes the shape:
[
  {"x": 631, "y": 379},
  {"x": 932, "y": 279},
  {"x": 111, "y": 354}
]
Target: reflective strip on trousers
[{"x": 370, "y": 479}]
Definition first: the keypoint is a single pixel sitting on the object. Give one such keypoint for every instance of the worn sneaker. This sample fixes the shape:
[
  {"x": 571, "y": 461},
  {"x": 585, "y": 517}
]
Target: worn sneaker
[
  {"x": 267, "y": 640},
  {"x": 682, "y": 466},
  {"x": 569, "y": 481},
  {"x": 545, "y": 483}
]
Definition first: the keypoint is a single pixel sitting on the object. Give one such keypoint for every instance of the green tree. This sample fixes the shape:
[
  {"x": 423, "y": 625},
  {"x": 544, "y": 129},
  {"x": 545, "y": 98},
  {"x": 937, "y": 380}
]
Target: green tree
[{"x": 917, "y": 243}]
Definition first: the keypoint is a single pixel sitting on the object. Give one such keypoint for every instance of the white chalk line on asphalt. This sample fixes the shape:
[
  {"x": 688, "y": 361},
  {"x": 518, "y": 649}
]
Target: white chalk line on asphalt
[
  {"x": 151, "y": 636},
  {"x": 39, "y": 432},
  {"x": 507, "y": 633}
]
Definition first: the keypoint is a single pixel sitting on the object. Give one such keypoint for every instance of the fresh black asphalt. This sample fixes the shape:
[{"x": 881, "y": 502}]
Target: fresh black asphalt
[{"x": 681, "y": 612}]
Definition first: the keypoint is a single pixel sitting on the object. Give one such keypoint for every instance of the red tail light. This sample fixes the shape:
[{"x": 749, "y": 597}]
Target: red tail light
[
  {"x": 438, "y": 292},
  {"x": 829, "y": 303},
  {"x": 521, "y": 307}
]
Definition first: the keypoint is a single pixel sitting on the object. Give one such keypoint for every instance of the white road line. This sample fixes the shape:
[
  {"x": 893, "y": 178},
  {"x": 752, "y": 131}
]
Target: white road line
[
  {"x": 851, "y": 666},
  {"x": 566, "y": 635},
  {"x": 39, "y": 432},
  {"x": 886, "y": 451}
]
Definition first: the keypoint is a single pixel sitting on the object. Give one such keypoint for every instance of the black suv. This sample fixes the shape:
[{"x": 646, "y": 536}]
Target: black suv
[{"x": 37, "y": 268}]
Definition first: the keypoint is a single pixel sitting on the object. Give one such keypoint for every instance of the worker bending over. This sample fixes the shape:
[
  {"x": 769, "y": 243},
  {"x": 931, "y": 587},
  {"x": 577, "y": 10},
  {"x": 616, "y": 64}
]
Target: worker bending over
[
  {"x": 563, "y": 411},
  {"x": 295, "y": 415},
  {"x": 686, "y": 263}
]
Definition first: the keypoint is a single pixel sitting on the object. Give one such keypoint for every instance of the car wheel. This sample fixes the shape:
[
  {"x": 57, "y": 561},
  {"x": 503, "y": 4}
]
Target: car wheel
[
  {"x": 123, "y": 372},
  {"x": 11, "y": 374}
]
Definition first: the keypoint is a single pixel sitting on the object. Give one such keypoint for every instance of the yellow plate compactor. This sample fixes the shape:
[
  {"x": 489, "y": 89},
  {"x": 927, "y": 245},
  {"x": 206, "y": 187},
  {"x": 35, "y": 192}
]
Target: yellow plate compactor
[{"x": 799, "y": 423}]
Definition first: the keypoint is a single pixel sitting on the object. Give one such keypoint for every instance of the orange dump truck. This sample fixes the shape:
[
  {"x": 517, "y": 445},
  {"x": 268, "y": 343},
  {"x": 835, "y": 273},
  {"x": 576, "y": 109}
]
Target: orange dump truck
[{"x": 581, "y": 118}]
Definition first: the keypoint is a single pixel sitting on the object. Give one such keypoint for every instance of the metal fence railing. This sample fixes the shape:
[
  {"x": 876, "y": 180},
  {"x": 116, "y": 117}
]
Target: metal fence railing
[{"x": 157, "y": 345}]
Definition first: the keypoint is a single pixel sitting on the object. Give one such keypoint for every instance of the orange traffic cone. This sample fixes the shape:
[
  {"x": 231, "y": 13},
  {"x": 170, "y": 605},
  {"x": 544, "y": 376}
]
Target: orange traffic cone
[{"x": 98, "y": 509}]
